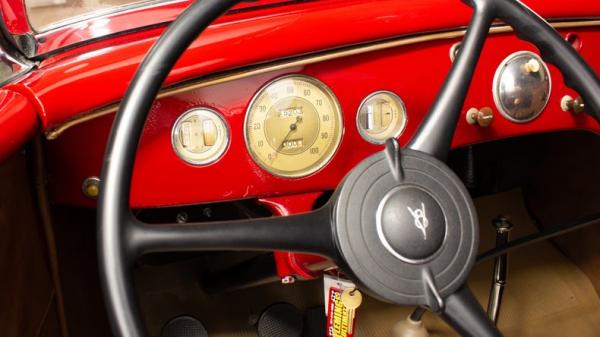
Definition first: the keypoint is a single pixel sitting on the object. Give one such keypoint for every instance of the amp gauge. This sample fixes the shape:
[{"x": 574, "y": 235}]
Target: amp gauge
[
  {"x": 381, "y": 115},
  {"x": 200, "y": 136}
]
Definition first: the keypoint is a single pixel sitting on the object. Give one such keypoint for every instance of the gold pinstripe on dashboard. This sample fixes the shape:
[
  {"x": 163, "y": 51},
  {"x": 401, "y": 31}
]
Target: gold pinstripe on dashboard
[{"x": 233, "y": 75}]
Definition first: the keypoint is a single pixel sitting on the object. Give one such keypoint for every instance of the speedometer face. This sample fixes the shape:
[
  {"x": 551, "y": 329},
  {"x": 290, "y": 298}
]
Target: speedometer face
[{"x": 293, "y": 126}]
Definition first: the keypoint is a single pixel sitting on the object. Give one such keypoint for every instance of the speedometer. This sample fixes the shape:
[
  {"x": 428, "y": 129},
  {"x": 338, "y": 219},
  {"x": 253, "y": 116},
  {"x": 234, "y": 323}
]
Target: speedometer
[{"x": 293, "y": 126}]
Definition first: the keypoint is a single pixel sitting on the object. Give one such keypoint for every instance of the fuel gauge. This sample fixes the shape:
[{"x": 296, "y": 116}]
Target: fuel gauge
[
  {"x": 381, "y": 115},
  {"x": 200, "y": 136}
]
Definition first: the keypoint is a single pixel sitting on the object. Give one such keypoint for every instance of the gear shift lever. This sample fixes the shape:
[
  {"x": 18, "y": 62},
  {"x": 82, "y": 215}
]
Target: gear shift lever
[
  {"x": 412, "y": 326},
  {"x": 503, "y": 227}
]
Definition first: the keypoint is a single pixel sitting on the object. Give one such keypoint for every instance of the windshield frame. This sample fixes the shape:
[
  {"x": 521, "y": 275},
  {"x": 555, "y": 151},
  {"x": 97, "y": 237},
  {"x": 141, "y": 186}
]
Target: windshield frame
[
  {"x": 101, "y": 12},
  {"x": 102, "y": 24}
]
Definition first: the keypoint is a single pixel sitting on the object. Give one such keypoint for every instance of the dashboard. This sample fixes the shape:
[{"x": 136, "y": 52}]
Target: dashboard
[{"x": 299, "y": 125}]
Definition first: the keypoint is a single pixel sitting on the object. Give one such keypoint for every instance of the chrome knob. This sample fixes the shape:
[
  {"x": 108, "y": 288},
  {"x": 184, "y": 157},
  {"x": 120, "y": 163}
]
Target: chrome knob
[
  {"x": 483, "y": 117},
  {"x": 575, "y": 105}
]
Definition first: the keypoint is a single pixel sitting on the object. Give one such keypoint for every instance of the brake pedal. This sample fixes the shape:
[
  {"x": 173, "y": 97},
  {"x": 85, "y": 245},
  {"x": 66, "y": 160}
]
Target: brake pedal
[
  {"x": 184, "y": 326},
  {"x": 280, "y": 320}
]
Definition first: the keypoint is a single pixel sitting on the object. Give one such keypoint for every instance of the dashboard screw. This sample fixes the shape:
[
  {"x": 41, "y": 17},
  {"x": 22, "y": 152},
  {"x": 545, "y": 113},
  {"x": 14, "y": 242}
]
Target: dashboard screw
[
  {"x": 288, "y": 279},
  {"x": 182, "y": 217},
  {"x": 207, "y": 212},
  {"x": 91, "y": 187}
]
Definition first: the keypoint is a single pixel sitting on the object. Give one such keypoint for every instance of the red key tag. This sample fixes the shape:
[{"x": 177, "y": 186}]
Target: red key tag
[{"x": 340, "y": 320}]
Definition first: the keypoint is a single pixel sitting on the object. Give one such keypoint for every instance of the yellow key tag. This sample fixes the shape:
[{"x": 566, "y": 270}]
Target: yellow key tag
[
  {"x": 351, "y": 299},
  {"x": 340, "y": 319}
]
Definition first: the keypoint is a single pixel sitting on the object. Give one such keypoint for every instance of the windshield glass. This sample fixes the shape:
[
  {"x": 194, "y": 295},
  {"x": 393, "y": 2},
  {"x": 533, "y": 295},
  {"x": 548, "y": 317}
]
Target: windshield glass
[{"x": 45, "y": 14}]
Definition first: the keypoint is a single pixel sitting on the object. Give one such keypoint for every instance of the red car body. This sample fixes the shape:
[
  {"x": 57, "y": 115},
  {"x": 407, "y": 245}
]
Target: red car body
[{"x": 83, "y": 68}]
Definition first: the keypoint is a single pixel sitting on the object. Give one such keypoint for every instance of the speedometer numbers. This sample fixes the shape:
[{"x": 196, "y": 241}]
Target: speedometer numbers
[{"x": 293, "y": 126}]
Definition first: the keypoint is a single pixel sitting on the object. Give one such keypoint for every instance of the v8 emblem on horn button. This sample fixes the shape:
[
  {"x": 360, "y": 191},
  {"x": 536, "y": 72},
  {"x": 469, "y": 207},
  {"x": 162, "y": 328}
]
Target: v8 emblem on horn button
[
  {"x": 421, "y": 221},
  {"x": 412, "y": 234}
]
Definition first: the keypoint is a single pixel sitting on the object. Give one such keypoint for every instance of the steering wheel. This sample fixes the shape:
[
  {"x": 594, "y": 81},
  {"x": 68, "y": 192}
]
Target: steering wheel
[{"x": 401, "y": 223}]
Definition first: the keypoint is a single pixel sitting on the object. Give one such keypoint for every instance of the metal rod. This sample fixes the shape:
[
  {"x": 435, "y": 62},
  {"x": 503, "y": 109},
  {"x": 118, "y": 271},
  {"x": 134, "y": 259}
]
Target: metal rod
[
  {"x": 45, "y": 214},
  {"x": 417, "y": 315},
  {"x": 540, "y": 236},
  {"x": 503, "y": 228}
]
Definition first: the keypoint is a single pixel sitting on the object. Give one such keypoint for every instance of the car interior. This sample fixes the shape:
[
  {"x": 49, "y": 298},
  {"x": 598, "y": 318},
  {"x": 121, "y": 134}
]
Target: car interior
[{"x": 318, "y": 168}]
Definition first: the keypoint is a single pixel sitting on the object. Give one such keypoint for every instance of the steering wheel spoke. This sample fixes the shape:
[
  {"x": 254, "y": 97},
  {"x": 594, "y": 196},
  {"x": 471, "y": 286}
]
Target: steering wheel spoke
[
  {"x": 308, "y": 232},
  {"x": 434, "y": 135},
  {"x": 464, "y": 314}
]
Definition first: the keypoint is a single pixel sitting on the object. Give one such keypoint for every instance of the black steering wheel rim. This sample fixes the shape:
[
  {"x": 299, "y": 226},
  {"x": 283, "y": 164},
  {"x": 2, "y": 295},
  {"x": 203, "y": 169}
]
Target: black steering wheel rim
[{"x": 122, "y": 238}]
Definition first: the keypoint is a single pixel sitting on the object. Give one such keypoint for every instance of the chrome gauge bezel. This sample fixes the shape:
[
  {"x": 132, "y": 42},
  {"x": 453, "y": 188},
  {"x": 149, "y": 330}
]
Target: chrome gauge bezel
[
  {"x": 496, "y": 84},
  {"x": 199, "y": 111},
  {"x": 337, "y": 142},
  {"x": 404, "y": 114}
]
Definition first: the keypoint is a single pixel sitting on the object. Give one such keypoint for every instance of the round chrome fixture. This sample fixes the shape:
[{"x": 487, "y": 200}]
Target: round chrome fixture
[
  {"x": 200, "y": 136},
  {"x": 381, "y": 115},
  {"x": 522, "y": 87}
]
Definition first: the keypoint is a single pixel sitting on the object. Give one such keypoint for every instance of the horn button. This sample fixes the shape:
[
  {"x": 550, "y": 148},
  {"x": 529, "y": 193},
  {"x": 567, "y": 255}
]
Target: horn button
[
  {"x": 406, "y": 227},
  {"x": 410, "y": 224}
]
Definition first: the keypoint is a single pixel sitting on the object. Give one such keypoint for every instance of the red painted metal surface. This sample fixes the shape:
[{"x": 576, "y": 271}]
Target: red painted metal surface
[
  {"x": 300, "y": 266},
  {"x": 143, "y": 17},
  {"x": 14, "y": 16},
  {"x": 98, "y": 74},
  {"x": 414, "y": 72},
  {"x": 106, "y": 25},
  {"x": 18, "y": 121}
]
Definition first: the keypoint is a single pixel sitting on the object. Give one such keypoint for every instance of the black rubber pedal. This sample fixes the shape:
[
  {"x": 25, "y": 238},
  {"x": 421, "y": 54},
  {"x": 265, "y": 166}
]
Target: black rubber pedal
[
  {"x": 184, "y": 326},
  {"x": 280, "y": 320}
]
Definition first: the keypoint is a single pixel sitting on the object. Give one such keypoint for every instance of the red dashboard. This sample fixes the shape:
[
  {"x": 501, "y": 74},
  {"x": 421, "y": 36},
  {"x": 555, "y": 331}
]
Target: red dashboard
[
  {"x": 354, "y": 47},
  {"x": 413, "y": 70}
]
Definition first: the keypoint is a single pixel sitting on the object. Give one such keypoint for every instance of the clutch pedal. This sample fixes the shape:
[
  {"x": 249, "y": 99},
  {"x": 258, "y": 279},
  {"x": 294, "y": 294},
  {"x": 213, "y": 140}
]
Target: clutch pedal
[
  {"x": 280, "y": 320},
  {"x": 184, "y": 326}
]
